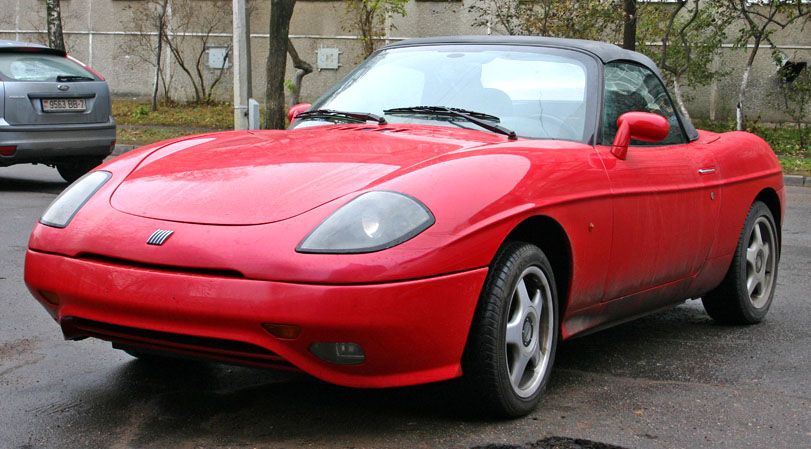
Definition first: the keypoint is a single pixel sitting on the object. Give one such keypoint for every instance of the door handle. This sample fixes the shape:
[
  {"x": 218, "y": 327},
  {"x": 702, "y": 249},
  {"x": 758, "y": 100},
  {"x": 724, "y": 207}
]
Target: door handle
[{"x": 706, "y": 171}]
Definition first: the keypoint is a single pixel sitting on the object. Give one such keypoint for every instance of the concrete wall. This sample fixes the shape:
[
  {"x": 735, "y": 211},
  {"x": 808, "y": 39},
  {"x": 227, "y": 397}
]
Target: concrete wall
[{"x": 105, "y": 34}]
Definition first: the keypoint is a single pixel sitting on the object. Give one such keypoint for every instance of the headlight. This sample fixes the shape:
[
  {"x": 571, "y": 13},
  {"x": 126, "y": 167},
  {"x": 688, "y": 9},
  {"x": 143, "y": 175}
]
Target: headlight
[
  {"x": 371, "y": 222},
  {"x": 65, "y": 206}
]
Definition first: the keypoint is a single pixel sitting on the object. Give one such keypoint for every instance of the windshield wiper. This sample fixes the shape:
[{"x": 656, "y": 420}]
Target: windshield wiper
[
  {"x": 331, "y": 113},
  {"x": 478, "y": 118},
  {"x": 69, "y": 78},
  {"x": 443, "y": 109}
]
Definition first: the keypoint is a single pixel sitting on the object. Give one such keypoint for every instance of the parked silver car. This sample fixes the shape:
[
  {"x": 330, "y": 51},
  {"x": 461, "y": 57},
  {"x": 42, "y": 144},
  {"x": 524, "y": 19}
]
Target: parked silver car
[{"x": 54, "y": 110}]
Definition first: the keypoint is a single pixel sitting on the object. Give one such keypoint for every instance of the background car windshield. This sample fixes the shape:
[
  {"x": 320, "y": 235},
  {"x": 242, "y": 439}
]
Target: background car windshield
[
  {"x": 538, "y": 93},
  {"x": 38, "y": 67}
]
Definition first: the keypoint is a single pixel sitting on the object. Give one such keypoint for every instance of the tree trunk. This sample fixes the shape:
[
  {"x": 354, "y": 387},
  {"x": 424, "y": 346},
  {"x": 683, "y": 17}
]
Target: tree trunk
[
  {"x": 739, "y": 113},
  {"x": 368, "y": 29},
  {"x": 629, "y": 26},
  {"x": 280, "y": 13},
  {"x": 159, "y": 54},
  {"x": 680, "y": 98},
  {"x": 154, "y": 106},
  {"x": 303, "y": 68},
  {"x": 54, "y": 19}
]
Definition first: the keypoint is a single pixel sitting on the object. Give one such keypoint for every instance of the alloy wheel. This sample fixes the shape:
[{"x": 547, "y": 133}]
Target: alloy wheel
[
  {"x": 529, "y": 332},
  {"x": 760, "y": 262}
]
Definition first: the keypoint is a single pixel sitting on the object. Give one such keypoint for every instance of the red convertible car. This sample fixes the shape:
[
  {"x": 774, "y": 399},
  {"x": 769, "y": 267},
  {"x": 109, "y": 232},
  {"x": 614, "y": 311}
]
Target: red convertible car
[{"x": 454, "y": 207}]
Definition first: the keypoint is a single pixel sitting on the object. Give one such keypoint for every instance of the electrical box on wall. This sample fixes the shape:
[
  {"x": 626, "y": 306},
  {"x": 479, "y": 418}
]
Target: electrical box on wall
[
  {"x": 328, "y": 58},
  {"x": 217, "y": 58}
]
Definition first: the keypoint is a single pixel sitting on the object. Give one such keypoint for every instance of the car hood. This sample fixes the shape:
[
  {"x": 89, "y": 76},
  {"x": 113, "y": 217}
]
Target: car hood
[{"x": 245, "y": 178}]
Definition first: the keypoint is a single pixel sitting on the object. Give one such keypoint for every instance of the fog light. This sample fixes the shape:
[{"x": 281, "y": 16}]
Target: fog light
[
  {"x": 284, "y": 331},
  {"x": 340, "y": 353},
  {"x": 7, "y": 150}
]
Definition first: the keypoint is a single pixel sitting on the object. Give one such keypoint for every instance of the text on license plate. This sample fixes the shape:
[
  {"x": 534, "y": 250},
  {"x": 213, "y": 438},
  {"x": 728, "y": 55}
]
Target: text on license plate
[{"x": 63, "y": 104}]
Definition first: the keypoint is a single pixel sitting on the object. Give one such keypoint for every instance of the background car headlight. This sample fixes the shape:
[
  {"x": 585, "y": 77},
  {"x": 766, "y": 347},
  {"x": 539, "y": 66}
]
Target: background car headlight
[
  {"x": 65, "y": 206},
  {"x": 371, "y": 222}
]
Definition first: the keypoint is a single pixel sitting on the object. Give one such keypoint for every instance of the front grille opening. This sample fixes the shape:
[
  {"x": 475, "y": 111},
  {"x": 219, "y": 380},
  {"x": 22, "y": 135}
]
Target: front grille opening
[
  {"x": 107, "y": 260},
  {"x": 217, "y": 349}
]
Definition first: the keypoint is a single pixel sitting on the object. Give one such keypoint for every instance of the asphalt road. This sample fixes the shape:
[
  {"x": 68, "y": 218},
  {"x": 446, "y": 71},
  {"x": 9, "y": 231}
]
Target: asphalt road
[{"x": 670, "y": 380}]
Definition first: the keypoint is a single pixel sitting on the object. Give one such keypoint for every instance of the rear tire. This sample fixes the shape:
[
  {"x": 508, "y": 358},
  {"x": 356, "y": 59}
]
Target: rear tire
[
  {"x": 512, "y": 342},
  {"x": 73, "y": 169},
  {"x": 746, "y": 293}
]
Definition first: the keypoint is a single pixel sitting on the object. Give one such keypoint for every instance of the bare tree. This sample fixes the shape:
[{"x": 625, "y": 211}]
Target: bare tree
[
  {"x": 188, "y": 37},
  {"x": 54, "y": 20},
  {"x": 584, "y": 19},
  {"x": 368, "y": 18},
  {"x": 691, "y": 33},
  {"x": 303, "y": 68},
  {"x": 281, "y": 11},
  {"x": 150, "y": 25},
  {"x": 505, "y": 16},
  {"x": 761, "y": 20},
  {"x": 161, "y": 26}
]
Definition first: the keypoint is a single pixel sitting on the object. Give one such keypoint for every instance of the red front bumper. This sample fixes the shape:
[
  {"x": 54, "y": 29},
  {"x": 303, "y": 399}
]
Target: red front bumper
[{"x": 411, "y": 332}]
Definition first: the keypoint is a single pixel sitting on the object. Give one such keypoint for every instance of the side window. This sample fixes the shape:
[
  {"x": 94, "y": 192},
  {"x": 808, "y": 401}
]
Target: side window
[{"x": 630, "y": 87}]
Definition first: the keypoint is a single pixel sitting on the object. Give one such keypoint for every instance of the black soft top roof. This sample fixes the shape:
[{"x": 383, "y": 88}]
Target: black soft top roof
[{"x": 603, "y": 51}]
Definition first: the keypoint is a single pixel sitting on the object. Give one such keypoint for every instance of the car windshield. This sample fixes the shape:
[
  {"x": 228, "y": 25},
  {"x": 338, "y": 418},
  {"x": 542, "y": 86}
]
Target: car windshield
[
  {"x": 536, "y": 92},
  {"x": 39, "y": 67}
]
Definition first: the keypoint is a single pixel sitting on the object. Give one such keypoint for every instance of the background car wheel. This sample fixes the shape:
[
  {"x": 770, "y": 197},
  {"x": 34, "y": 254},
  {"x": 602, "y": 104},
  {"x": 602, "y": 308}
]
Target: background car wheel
[
  {"x": 745, "y": 295},
  {"x": 514, "y": 334},
  {"x": 73, "y": 169}
]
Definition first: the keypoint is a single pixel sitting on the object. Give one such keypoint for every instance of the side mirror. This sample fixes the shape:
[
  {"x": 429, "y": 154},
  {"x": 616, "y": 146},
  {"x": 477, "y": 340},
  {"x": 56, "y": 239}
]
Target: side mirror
[
  {"x": 644, "y": 126},
  {"x": 295, "y": 110}
]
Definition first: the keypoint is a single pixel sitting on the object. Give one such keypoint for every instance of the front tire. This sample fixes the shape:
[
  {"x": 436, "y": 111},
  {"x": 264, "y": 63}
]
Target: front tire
[
  {"x": 746, "y": 293},
  {"x": 512, "y": 342},
  {"x": 73, "y": 169}
]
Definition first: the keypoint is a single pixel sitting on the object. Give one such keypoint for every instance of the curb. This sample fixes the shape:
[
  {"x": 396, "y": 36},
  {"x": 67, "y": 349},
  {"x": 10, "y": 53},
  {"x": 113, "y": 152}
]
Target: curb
[
  {"x": 797, "y": 180},
  {"x": 789, "y": 180}
]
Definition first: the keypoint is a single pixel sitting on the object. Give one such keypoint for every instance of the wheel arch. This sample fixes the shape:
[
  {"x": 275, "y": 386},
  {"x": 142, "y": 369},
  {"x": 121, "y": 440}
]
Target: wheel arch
[
  {"x": 772, "y": 200},
  {"x": 548, "y": 234}
]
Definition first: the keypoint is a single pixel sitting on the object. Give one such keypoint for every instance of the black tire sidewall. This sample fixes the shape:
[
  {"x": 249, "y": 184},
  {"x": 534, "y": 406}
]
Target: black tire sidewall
[
  {"x": 512, "y": 260},
  {"x": 73, "y": 169}
]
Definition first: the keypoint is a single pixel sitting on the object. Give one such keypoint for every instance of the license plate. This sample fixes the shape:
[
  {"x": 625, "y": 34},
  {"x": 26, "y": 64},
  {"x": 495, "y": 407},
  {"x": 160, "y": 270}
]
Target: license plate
[{"x": 64, "y": 105}]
